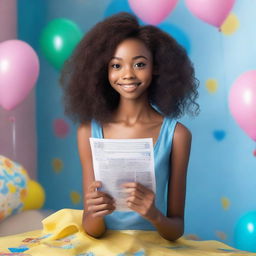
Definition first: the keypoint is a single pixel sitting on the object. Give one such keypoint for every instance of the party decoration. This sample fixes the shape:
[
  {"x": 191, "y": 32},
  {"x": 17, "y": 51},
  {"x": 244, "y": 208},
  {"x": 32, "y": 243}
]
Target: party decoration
[
  {"x": 17, "y": 191},
  {"x": 230, "y": 25},
  {"x": 57, "y": 165},
  {"x": 225, "y": 203},
  {"x": 154, "y": 11},
  {"x": 75, "y": 197},
  {"x": 242, "y": 102},
  {"x": 13, "y": 187},
  {"x": 245, "y": 232},
  {"x": 61, "y": 127},
  {"x": 177, "y": 34},
  {"x": 58, "y": 40},
  {"x": 219, "y": 135},
  {"x": 35, "y": 197},
  {"x": 211, "y": 85},
  {"x": 16, "y": 251},
  {"x": 213, "y": 12},
  {"x": 19, "y": 69}
]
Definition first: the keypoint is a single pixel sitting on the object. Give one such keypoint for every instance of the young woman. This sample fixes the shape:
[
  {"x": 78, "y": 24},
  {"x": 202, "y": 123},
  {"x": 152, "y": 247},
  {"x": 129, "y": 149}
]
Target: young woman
[{"x": 127, "y": 81}]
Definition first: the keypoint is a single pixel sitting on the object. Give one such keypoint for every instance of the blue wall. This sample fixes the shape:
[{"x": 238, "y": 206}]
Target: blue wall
[{"x": 222, "y": 169}]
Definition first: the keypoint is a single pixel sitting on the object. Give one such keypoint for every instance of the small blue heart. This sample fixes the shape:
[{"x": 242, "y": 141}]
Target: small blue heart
[
  {"x": 219, "y": 134},
  {"x": 18, "y": 250}
]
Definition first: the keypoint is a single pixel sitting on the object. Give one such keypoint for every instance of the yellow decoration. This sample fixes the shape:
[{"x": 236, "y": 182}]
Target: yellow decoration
[
  {"x": 75, "y": 197},
  {"x": 15, "y": 179},
  {"x": 35, "y": 196},
  {"x": 12, "y": 188},
  {"x": 69, "y": 238},
  {"x": 212, "y": 85},
  {"x": 57, "y": 165},
  {"x": 225, "y": 203},
  {"x": 23, "y": 194},
  {"x": 8, "y": 163},
  {"x": 24, "y": 172},
  {"x": 231, "y": 25}
]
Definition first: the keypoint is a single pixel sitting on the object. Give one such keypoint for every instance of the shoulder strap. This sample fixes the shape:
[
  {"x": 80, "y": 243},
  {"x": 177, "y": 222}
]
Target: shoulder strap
[
  {"x": 166, "y": 134},
  {"x": 96, "y": 129}
]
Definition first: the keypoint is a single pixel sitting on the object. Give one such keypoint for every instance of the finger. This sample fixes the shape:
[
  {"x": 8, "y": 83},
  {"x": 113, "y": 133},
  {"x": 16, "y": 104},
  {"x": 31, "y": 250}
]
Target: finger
[
  {"x": 102, "y": 213},
  {"x": 139, "y": 188},
  {"x": 100, "y": 200},
  {"x": 135, "y": 193},
  {"x": 97, "y": 194},
  {"x": 139, "y": 208},
  {"x": 142, "y": 207},
  {"x": 94, "y": 185},
  {"x": 101, "y": 207},
  {"x": 135, "y": 185},
  {"x": 134, "y": 200},
  {"x": 133, "y": 206}
]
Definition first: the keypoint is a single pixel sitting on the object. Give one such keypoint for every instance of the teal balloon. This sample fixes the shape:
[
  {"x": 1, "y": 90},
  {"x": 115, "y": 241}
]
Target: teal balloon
[
  {"x": 177, "y": 34},
  {"x": 58, "y": 40},
  {"x": 245, "y": 232}
]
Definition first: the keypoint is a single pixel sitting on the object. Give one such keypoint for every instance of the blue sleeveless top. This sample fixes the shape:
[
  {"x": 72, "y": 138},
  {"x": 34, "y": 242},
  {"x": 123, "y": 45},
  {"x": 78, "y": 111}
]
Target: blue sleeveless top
[{"x": 131, "y": 220}]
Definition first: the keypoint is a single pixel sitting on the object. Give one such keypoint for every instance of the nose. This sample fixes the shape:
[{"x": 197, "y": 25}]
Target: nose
[{"x": 128, "y": 73}]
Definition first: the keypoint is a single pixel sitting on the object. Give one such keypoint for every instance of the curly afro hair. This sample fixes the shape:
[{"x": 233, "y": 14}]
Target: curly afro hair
[{"x": 87, "y": 92}]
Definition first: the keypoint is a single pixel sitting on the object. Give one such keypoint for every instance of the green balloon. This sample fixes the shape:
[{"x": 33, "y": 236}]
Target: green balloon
[{"x": 58, "y": 40}]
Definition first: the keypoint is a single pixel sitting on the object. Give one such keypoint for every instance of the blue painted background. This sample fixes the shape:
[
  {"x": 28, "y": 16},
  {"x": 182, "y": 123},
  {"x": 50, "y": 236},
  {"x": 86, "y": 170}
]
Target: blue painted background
[{"x": 222, "y": 164}]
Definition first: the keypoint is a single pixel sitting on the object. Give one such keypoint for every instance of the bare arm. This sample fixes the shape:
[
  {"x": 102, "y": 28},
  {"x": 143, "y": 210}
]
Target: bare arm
[
  {"x": 96, "y": 204},
  {"x": 141, "y": 199},
  {"x": 172, "y": 226}
]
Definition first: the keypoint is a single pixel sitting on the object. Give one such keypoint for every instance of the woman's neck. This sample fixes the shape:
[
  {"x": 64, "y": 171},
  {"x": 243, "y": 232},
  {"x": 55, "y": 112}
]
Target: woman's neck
[{"x": 131, "y": 111}]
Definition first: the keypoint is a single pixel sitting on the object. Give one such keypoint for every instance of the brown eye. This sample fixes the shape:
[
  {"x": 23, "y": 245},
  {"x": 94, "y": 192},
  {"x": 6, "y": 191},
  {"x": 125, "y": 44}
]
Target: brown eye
[
  {"x": 116, "y": 66},
  {"x": 140, "y": 65}
]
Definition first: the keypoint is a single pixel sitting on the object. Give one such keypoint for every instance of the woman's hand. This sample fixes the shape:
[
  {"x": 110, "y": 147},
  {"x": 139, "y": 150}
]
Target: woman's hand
[
  {"x": 141, "y": 200},
  {"x": 98, "y": 203}
]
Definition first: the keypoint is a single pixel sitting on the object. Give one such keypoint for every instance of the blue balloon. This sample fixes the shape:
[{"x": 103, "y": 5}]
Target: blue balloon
[
  {"x": 245, "y": 232},
  {"x": 177, "y": 34},
  {"x": 117, "y": 6}
]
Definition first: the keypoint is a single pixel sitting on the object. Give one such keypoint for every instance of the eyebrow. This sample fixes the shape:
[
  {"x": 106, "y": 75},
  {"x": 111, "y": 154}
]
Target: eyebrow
[{"x": 134, "y": 58}]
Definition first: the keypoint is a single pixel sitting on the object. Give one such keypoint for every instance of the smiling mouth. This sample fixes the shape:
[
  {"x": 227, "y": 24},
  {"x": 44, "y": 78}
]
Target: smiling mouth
[
  {"x": 129, "y": 88},
  {"x": 132, "y": 85}
]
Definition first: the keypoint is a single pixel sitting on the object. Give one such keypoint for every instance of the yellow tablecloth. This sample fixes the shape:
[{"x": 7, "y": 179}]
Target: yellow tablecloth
[{"x": 62, "y": 234}]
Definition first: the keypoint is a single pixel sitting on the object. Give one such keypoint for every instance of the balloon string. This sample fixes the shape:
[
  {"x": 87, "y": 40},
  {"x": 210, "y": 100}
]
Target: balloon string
[{"x": 12, "y": 120}]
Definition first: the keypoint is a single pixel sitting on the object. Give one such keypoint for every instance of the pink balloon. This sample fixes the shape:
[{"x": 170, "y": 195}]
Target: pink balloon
[
  {"x": 19, "y": 69},
  {"x": 213, "y": 12},
  {"x": 154, "y": 11},
  {"x": 242, "y": 102}
]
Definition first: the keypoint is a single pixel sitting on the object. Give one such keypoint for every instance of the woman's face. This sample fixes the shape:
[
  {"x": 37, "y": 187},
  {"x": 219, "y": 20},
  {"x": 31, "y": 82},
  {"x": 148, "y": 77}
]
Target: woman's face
[{"x": 130, "y": 69}]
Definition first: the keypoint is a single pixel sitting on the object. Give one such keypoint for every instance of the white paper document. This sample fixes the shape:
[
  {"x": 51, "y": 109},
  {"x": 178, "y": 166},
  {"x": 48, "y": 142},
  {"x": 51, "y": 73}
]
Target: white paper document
[{"x": 117, "y": 161}]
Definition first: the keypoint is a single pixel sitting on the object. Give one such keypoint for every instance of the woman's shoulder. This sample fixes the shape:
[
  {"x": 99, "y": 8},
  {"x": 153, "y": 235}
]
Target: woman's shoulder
[
  {"x": 182, "y": 133},
  {"x": 84, "y": 130}
]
